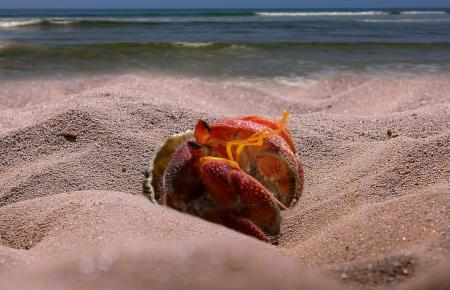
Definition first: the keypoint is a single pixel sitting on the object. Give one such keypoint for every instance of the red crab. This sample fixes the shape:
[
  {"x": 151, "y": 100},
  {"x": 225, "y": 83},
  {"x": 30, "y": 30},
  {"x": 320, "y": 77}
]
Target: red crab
[{"x": 238, "y": 172}]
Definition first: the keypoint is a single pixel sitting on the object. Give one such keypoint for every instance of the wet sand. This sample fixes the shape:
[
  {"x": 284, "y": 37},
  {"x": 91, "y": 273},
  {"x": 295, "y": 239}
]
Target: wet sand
[{"x": 374, "y": 214}]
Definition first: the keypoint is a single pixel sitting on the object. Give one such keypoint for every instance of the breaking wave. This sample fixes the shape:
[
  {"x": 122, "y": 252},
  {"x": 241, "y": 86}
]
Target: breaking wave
[
  {"x": 340, "y": 13},
  {"x": 13, "y": 23},
  {"x": 422, "y": 12},
  {"x": 164, "y": 18},
  {"x": 406, "y": 20},
  {"x": 134, "y": 48},
  {"x": 18, "y": 23}
]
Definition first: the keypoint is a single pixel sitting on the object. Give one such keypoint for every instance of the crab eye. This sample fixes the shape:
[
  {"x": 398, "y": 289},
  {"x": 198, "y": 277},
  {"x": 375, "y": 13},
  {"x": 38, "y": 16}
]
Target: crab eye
[
  {"x": 207, "y": 126},
  {"x": 194, "y": 145}
]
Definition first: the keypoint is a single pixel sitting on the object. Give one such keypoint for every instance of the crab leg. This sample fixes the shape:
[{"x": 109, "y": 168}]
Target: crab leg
[
  {"x": 245, "y": 202},
  {"x": 231, "y": 219}
]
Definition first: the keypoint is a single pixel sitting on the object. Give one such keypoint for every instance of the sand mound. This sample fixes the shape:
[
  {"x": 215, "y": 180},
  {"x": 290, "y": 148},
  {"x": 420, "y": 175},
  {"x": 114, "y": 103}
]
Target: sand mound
[
  {"x": 212, "y": 264},
  {"x": 71, "y": 222},
  {"x": 375, "y": 211}
]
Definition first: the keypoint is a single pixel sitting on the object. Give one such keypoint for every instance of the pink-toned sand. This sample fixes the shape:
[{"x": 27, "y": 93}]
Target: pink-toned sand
[{"x": 375, "y": 213}]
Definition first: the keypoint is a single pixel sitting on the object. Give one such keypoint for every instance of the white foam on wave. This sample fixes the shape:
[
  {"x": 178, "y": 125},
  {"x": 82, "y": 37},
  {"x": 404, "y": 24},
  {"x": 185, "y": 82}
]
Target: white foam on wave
[
  {"x": 194, "y": 44},
  {"x": 293, "y": 81},
  {"x": 422, "y": 12},
  {"x": 405, "y": 20},
  {"x": 207, "y": 44},
  {"x": 62, "y": 22},
  {"x": 11, "y": 23},
  {"x": 343, "y": 13},
  {"x": 238, "y": 46}
]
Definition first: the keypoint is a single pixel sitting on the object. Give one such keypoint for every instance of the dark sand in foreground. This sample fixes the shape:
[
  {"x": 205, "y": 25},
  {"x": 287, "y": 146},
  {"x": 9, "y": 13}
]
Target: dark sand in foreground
[{"x": 374, "y": 213}]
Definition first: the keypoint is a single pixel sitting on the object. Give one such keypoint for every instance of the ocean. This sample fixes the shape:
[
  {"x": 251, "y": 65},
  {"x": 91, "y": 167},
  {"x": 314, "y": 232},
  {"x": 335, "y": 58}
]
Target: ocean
[{"x": 254, "y": 43}]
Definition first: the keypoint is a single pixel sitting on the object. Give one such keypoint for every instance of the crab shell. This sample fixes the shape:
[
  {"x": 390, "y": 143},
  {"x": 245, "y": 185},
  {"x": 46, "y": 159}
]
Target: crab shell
[
  {"x": 154, "y": 172},
  {"x": 243, "y": 195}
]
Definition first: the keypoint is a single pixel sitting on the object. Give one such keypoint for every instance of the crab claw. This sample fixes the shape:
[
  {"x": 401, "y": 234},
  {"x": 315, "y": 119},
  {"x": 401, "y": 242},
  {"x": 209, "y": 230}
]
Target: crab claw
[
  {"x": 244, "y": 204},
  {"x": 182, "y": 183}
]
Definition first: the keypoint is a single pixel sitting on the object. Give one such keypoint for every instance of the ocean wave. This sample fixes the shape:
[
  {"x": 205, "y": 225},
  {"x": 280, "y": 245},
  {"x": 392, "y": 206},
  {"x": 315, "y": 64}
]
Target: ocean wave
[
  {"x": 180, "y": 14},
  {"x": 3, "y": 45},
  {"x": 194, "y": 44},
  {"x": 119, "y": 13},
  {"x": 213, "y": 14},
  {"x": 422, "y": 12},
  {"x": 340, "y": 13},
  {"x": 405, "y": 20},
  {"x": 95, "y": 22},
  {"x": 45, "y": 22},
  {"x": 11, "y": 23},
  {"x": 134, "y": 48},
  {"x": 213, "y": 45},
  {"x": 146, "y": 20},
  {"x": 101, "y": 49}
]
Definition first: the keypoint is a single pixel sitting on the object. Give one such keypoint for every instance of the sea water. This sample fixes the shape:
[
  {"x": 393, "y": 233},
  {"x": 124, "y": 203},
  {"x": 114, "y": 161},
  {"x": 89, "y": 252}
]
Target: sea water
[{"x": 238, "y": 43}]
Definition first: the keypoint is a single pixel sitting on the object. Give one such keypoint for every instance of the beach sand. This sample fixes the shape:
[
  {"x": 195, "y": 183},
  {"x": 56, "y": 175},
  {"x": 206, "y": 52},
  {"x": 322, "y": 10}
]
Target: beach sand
[{"x": 374, "y": 213}]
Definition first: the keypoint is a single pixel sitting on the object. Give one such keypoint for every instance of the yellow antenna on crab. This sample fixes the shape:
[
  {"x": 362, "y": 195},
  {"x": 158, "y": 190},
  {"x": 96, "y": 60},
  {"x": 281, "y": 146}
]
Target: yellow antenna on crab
[
  {"x": 284, "y": 118},
  {"x": 257, "y": 139}
]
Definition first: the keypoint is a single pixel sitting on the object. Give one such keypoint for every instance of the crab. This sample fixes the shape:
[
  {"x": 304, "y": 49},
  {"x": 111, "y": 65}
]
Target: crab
[{"x": 239, "y": 172}]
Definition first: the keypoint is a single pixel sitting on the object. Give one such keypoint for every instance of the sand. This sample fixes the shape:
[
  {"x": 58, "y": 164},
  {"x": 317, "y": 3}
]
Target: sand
[{"x": 375, "y": 213}]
